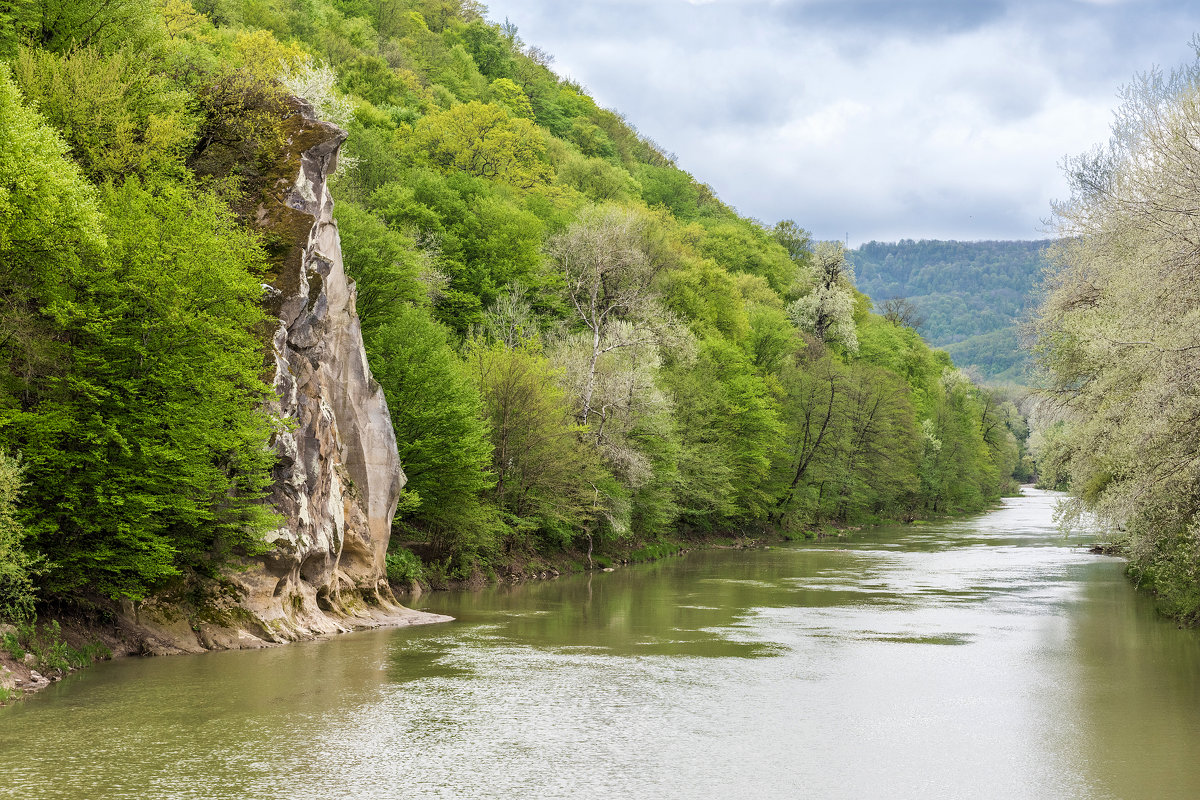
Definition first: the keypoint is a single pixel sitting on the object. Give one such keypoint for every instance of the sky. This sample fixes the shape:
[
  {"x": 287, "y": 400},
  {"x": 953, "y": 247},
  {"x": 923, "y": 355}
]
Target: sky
[{"x": 867, "y": 119}]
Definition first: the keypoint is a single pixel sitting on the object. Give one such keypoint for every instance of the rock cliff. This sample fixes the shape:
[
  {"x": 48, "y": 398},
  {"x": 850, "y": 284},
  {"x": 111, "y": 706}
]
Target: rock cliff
[{"x": 339, "y": 476}]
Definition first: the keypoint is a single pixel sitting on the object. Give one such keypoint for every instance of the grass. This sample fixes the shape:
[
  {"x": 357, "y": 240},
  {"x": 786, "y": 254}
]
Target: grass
[{"x": 50, "y": 649}]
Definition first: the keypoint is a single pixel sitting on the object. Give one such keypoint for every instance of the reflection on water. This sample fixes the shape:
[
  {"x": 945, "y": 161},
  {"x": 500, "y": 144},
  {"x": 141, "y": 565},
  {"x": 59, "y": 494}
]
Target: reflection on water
[{"x": 980, "y": 658}]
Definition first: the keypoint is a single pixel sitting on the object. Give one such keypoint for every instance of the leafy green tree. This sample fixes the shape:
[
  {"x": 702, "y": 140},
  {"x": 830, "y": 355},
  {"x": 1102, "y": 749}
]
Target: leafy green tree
[
  {"x": 50, "y": 228},
  {"x": 509, "y": 95},
  {"x": 794, "y": 239},
  {"x": 874, "y": 468},
  {"x": 481, "y": 139},
  {"x": 17, "y": 567},
  {"x": 64, "y": 25},
  {"x": 740, "y": 246},
  {"x": 384, "y": 264},
  {"x": 483, "y": 239},
  {"x": 813, "y": 409},
  {"x": 547, "y": 480},
  {"x": 728, "y": 427},
  {"x": 119, "y": 118},
  {"x": 147, "y": 456},
  {"x": 438, "y": 419}
]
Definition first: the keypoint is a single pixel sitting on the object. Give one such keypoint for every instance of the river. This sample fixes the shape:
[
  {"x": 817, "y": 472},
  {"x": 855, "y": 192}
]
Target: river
[{"x": 988, "y": 657}]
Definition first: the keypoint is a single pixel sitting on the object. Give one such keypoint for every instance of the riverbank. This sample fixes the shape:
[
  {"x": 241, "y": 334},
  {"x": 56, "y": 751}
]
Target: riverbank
[
  {"x": 34, "y": 656},
  {"x": 32, "y": 659},
  {"x": 520, "y": 568}
]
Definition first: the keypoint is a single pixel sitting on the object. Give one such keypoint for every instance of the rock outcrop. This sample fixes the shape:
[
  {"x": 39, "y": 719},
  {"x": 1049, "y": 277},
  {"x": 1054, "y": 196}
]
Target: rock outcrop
[{"x": 339, "y": 476}]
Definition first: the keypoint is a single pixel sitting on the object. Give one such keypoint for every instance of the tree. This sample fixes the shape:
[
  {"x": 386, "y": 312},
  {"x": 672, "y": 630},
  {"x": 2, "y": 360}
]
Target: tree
[
  {"x": 878, "y": 454},
  {"x": 384, "y": 264},
  {"x": 50, "y": 227},
  {"x": 607, "y": 269},
  {"x": 119, "y": 118},
  {"x": 64, "y": 25},
  {"x": 438, "y": 419},
  {"x": 1118, "y": 334},
  {"x": 902, "y": 312},
  {"x": 547, "y": 480},
  {"x": 481, "y": 139},
  {"x": 17, "y": 567},
  {"x": 828, "y": 310},
  {"x": 727, "y": 426},
  {"x": 813, "y": 409},
  {"x": 794, "y": 239},
  {"x": 741, "y": 246},
  {"x": 146, "y": 452}
]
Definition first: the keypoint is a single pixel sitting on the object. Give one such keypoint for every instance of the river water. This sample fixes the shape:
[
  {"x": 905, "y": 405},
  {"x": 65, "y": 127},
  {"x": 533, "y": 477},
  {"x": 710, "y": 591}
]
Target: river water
[{"x": 981, "y": 658}]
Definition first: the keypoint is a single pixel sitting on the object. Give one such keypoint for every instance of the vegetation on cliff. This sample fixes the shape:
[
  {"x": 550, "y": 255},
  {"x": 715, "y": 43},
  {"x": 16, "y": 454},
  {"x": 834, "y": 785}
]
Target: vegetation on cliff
[
  {"x": 1118, "y": 337},
  {"x": 581, "y": 346}
]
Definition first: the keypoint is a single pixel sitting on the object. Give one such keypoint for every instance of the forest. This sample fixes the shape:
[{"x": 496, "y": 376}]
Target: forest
[
  {"x": 581, "y": 346},
  {"x": 1117, "y": 339},
  {"x": 971, "y": 297}
]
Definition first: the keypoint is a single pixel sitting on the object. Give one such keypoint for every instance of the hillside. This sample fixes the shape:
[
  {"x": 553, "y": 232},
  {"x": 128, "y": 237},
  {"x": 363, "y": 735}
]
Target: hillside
[
  {"x": 581, "y": 350},
  {"x": 971, "y": 295}
]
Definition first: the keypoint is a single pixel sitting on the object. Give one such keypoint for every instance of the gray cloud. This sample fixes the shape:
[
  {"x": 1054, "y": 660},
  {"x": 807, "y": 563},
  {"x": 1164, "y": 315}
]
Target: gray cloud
[
  {"x": 925, "y": 118},
  {"x": 924, "y": 18}
]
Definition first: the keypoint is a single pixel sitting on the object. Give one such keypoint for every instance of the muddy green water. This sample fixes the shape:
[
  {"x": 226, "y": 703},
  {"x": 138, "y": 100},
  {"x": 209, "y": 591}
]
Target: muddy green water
[{"x": 985, "y": 658}]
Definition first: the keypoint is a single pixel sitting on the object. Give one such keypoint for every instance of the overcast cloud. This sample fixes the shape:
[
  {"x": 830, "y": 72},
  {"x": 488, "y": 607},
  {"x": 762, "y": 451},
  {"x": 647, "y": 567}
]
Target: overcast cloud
[{"x": 872, "y": 119}]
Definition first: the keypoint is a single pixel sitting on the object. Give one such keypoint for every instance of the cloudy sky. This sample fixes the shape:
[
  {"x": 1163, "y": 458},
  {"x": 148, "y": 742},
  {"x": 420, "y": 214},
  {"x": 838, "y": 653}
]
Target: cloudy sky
[{"x": 867, "y": 119}]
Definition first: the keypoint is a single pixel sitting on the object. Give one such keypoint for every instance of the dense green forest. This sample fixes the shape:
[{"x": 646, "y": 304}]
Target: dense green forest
[
  {"x": 582, "y": 348},
  {"x": 1118, "y": 338},
  {"x": 969, "y": 297}
]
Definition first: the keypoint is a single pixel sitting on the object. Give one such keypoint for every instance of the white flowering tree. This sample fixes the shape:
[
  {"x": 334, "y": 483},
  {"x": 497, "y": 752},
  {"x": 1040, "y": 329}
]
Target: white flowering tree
[
  {"x": 315, "y": 82},
  {"x": 827, "y": 311}
]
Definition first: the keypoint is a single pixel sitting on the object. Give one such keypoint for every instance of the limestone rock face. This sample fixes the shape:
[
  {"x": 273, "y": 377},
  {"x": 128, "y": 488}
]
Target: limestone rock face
[{"x": 338, "y": 478}]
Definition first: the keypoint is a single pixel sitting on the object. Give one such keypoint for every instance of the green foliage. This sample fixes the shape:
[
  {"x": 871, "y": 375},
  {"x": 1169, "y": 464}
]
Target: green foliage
[
  {"x": 577, "y": 340},
  {"x": 547, "y": 480},
  {"x": 17, "y": 567},
  {"x": 727, "y": 426},
  {"x": 241, "y": 130},
  {"x": 509, "y": 95},
  {"x": 119, "y": 118},
  {"x": 146, "y": 453},
  {"x": 744, "y": 247},
  {"x": 64, "y": 25},
  {"x": 655, "y": 550},
  {"x": 12, "y": 645},
  {"x": 1118, "y": 340},
  {"x": 404, "y": 566},
  {"x": 45, "y": 641},
  {"x": 384, "y": 264},
  {"x": 480, "y": 236},
  {"x": 437, "y": 417},
  {"x": 482, "y": 140}
]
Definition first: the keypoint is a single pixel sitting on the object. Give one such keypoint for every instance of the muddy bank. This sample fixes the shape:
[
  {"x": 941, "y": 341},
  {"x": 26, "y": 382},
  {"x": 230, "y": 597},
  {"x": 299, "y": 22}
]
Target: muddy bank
[{"x": 66, "y": 640}]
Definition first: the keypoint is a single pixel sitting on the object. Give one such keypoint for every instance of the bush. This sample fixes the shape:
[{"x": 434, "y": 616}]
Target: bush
[{"x": 404, "y": 566}]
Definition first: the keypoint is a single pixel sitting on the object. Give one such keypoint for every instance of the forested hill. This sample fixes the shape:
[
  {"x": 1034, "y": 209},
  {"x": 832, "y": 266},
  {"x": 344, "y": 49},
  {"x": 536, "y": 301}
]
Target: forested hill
[
  {"x": 970, "y": 295},
  {"x": 583, "y": 350}
]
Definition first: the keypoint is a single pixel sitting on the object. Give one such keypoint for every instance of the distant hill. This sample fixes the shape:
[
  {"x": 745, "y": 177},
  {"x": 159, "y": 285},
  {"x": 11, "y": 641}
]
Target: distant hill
[{"x": 972, "y": 295}]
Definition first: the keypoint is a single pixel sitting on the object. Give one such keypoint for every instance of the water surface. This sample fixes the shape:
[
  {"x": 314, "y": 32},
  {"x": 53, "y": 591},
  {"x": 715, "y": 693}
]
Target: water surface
[{"x": 983, "y": 658}]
